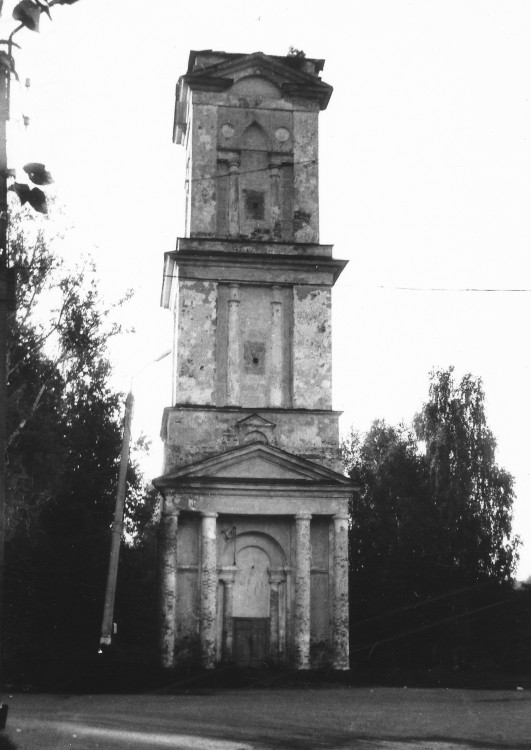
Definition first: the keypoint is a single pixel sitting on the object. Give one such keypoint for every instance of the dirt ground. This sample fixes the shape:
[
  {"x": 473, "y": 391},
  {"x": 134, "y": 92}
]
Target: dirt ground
[{"x": 267, "y": 719}]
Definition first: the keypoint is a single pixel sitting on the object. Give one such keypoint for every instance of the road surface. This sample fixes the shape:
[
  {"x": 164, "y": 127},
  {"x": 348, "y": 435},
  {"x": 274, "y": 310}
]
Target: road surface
[{"x": 267, "y": 719}]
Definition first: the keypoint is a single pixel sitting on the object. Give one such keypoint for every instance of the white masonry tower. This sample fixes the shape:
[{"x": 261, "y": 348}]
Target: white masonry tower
[{"x": 254, "y": 543}]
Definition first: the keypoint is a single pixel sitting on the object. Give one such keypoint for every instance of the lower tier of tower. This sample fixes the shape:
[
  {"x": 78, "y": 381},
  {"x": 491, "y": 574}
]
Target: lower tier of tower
[
  {"x": 254, "y": 550},
  {"x": 250, "y": 591}
]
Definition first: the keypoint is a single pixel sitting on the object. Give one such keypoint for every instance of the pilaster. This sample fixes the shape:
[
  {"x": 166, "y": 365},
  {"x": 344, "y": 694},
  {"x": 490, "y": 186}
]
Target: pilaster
[
  {"x": 234, "y": 195},
  {"x": 168, "y": 584},
  {"x": 209, "y": 586},
  {"x": 276, "y": 369},
  {"x": 227, "y": 576},
  {"x": 302, "y": 591},
  {"x": 340, "y": 604},
  {"x": 276, "y": 639},
  {"x": 276, "y": 209},
  {"x": 233, "y": 348}
]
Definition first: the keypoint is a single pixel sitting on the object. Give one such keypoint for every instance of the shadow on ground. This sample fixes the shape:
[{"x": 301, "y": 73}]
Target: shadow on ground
[{"x": 107, "y": 674}]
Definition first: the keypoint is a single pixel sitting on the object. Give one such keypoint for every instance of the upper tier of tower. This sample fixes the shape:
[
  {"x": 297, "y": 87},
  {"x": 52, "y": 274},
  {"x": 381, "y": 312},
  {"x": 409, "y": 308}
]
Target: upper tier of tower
[{"x": 249, "y": 123}]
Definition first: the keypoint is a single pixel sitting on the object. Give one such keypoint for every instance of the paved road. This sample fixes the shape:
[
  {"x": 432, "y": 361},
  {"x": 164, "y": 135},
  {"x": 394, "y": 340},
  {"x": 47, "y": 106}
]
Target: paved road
[{"x": 286, "y": 719}]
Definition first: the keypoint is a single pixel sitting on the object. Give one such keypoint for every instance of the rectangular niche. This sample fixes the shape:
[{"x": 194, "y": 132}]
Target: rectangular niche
[
  {"x": 254, "y": 353},
  {"x": 254, "y": 204}
]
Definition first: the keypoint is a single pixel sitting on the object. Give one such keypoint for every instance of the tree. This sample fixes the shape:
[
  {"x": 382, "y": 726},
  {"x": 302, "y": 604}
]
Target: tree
[
  {"x": 64, "y": 427},
  {"x": 431, "y": 548},
  {"x": 473, "y": 496},
  {"x": 393, "y": 480},
  {"x": 389, "y": 538}
]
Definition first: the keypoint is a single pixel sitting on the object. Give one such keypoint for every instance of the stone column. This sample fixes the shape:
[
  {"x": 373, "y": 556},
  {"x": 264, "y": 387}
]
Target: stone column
[
  {"x": 209, "y": 589},
  {"x": 233, "y": 347},
  {"x": 340, "y": 604},
  {"x": 302, "y": 590},
  {"x": 234, "y": 195},
  {"x": 282, "y": 619},
  {"x": 276, "y": 367},
  {"x": 275, "y": 579},
  {"x": 276, "y": 218},
  {"x": 168, "y": 584},
  {"x": 227, "y": 576}
]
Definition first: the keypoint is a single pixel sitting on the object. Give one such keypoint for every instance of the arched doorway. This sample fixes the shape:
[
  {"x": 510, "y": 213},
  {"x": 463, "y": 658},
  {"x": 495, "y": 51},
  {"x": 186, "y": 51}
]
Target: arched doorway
[
  {"x": 251, "y": 607},
  {"x": 256, "y": 631}
]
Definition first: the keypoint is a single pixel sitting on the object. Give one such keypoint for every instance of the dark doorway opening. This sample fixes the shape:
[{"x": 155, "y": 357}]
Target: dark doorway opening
[{"x": 251, "y": 641}]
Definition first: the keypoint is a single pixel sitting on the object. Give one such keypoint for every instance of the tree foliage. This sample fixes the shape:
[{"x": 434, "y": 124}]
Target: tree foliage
[
  {"x": 473, "y": 496},
  {"x": 64, "y": 438},
  {"x": 430, "y": 541}
]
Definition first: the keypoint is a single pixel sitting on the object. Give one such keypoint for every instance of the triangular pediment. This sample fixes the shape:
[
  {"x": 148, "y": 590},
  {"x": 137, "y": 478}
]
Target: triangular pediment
[
  {"x": 287, "y": 73},
  {"x": 255, "y": 421},
  {"x": 257, "y": 462},
  {"x": 256, "y": 64}
]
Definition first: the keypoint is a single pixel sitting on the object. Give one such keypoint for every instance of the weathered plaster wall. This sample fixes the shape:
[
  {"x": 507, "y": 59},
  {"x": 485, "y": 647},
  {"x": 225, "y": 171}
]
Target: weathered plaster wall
[
  {"x": 320, "y": 647},
  {"x": 234, "y": 121},
  {"x": 187, "y": 600},
  {"x": 219, "y": 125},
  {"x": 306, "y": 176},
  {"x": 196, "y": 340},
  {"x": 194, "y": 434},
  {"x": 203, "y": 169},
  {"x": 258, "y": 359},
  {"x": 312, "y": 348}
]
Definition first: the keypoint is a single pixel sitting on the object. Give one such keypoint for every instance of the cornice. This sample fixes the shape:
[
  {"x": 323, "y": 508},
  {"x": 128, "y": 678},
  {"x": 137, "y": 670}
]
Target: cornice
[
  {"x": 306, "y": 263},
  {"x": 253, "y": 247},
  {"x": 203, "y": 82},
  {"x": 292, "y": 81},
  {"x": 250, "y": 410},
  {"x": 246, "y": 268}
]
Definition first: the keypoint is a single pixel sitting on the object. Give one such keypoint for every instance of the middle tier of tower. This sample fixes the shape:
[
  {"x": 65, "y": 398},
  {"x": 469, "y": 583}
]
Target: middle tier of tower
[{"x": 252, "y": 325}]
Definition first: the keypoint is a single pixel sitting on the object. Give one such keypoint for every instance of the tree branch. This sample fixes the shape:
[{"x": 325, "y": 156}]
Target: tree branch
[{"x": 16, "y": 432}]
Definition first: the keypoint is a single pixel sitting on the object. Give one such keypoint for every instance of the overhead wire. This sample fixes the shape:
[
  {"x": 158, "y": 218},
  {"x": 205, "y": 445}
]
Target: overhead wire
[
  {"x": 250, "y": 171},
  {"x": 400, "y": 288},
  {"x": 517, "y": 290}
]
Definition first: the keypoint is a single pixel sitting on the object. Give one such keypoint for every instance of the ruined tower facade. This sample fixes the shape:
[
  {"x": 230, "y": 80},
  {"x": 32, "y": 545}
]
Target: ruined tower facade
[{"x": 253, "y": 536}]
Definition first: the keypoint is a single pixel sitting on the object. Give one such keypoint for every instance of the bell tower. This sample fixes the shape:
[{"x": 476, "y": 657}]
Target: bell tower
[{"x": 254, "y": 561}]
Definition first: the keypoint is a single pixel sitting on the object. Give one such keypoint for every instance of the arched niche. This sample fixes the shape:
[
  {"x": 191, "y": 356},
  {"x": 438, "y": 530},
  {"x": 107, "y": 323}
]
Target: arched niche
[
  {"x": 255, "y": 436},
  {"x": 251, "y": 596},
  {"x": 256, "y": 86},
  {"x": 265, "y": 542},
  {"x": 255, "y": 203},
  {"x": 255, "y": 602},
  {"x": 254, "y": 138}
]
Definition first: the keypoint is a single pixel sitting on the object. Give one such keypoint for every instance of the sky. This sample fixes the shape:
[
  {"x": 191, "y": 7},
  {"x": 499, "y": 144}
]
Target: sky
[{"x": 425, "y": 185}]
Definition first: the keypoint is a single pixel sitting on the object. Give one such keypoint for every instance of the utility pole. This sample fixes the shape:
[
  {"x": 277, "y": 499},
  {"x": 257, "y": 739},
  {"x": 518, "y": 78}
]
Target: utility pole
[
  {"x": 117, "y": 527},
  {"x": 118, "y": 523}
]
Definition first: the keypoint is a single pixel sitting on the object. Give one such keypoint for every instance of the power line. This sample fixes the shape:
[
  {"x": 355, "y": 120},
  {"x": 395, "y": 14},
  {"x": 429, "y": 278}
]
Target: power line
[
  {"x": 249, "y": 171},
  {"x": 449, "y": 289},
  {"x": 429, "y": 626},
  {"x": 397, "y": 288}
]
